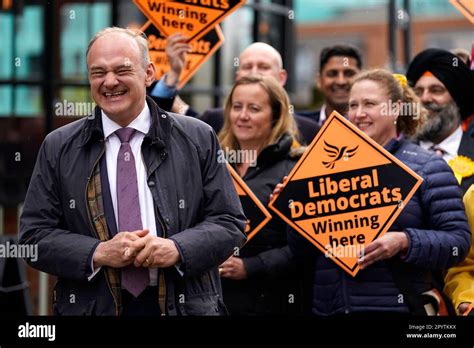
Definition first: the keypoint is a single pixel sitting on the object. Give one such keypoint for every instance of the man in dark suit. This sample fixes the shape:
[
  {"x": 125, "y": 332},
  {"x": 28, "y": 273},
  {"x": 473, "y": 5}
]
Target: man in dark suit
[
  {"x": 445, "y": 86},
  {"x": 257, "y": 59},
  {"x": 105, "y": 202},
  {"x": 338, "y": 65}
]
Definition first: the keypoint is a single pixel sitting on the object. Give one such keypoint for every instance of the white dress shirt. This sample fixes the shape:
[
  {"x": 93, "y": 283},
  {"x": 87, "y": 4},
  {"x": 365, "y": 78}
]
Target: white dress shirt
[
  {"x": 322, "y": 115},
  {"x": 112, "y": 146},
  {"x": 450, "y": 145}
]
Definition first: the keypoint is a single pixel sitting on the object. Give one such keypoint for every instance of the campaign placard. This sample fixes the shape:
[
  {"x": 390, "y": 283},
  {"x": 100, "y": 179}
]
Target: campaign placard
[
  {"x": 466, "y": 7},
  {"x": 201, "y": 50},
  {"x": 344, "y": 192},
  {"x": 256, "y": 213},
  {"x": 193, "y": 18}
]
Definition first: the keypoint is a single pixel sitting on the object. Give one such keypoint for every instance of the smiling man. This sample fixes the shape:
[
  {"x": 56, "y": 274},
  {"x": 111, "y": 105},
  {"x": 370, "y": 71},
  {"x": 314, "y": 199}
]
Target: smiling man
[
  {"x": 117, "y": 77},
  {"x": 338, "y": 66},
  {"x": 445, "y": 86},
  {"x": 130, "y": 207}
]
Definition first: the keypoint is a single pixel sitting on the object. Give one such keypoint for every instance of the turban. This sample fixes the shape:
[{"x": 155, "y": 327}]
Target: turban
[{"x": 451, "y": 71}]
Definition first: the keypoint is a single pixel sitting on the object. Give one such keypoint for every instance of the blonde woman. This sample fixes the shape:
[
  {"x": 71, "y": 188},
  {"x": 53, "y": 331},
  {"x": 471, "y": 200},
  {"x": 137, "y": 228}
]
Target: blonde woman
[{"x": 258, "y": 124}]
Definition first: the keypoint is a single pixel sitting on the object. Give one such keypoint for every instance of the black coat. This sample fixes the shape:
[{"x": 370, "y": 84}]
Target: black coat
[
  {"x": 273, "y": 284},
  {"x": 312, "y": 115},
  {"x": 466, "y": 148},
  {"x": 181, "y": 157}
]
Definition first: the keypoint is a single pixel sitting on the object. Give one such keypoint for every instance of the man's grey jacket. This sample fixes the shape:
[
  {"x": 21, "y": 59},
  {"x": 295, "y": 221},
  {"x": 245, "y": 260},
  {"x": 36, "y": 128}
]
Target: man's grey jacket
[{"x": 195, "y": 204}]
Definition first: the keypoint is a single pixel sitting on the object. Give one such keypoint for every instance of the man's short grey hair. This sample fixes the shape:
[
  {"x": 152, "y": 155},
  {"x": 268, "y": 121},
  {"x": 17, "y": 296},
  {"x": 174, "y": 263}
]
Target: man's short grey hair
[{"x": 137, "y": 35}]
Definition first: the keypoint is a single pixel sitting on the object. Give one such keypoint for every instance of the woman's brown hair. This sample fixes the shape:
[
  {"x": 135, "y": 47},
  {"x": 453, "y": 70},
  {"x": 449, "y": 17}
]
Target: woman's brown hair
[
  {"x": 412, "y": 114},
  {"x": 282, "y": 119}
]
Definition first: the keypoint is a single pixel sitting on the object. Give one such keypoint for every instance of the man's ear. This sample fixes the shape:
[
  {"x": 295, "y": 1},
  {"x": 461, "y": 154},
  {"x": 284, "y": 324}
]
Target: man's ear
[
  {"x": 283, "y": 76},
  {"x": 237, "y": 74},
  {"x": 150, "y": 74},
  {"x": 318, "y": 80}
]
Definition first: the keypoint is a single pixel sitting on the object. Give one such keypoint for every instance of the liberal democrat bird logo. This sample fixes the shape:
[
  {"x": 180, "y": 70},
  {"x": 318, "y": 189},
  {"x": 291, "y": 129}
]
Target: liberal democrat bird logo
[{"x": 337, "y": 154}]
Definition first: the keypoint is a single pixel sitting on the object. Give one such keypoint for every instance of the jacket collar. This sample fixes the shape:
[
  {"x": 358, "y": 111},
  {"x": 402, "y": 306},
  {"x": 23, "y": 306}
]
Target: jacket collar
[
  {"x": 466, "y": 147},
  {"x": 276, "y": 151},
  {"x": 158, "y": 135},
  {"x": 394, "y": 144}
]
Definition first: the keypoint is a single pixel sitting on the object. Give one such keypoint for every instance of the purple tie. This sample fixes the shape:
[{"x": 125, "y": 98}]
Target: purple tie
[{"x": 134, "y": 279}]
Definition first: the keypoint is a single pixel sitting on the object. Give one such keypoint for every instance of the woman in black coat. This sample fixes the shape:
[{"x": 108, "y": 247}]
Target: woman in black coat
[{"x": 260, "y": 279}]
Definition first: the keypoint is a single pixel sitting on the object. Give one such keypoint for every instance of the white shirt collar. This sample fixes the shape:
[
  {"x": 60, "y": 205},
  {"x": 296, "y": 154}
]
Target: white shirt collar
[
  {"x": 450, "y": 145},
  {"x": 141, "y": 123},
  {"x": 322, "y": 114}
]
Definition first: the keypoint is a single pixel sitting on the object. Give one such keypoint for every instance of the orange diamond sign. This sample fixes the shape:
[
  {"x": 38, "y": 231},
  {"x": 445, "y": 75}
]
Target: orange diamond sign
[
  {"x": 344, "y": 192},
  {"x": 193, "y": 18},
  {"x": 256, "y": 213},
  {"x": 201, "y": 50},
  {"x": 466, "y": 7}
]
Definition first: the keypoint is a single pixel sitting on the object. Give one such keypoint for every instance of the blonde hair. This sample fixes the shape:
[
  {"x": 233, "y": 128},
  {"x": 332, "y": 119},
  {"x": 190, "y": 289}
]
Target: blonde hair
[
  {"x": 137, "y": 35},
  {"x": 396, "y": 90},
  {"x": 282, "y": 120}
]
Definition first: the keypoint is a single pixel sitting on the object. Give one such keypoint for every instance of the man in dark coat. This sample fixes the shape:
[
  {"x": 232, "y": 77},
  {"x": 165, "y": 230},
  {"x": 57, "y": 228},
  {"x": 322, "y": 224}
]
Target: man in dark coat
[
  {"x": 130, "y": 207},
  {"x": 445, "y": 86},
  {"x": 338, "y": 65}
]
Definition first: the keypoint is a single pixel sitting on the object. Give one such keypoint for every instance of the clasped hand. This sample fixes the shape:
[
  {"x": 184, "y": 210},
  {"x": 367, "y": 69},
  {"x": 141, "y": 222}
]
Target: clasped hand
[{"x": 138, "y": 248}]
